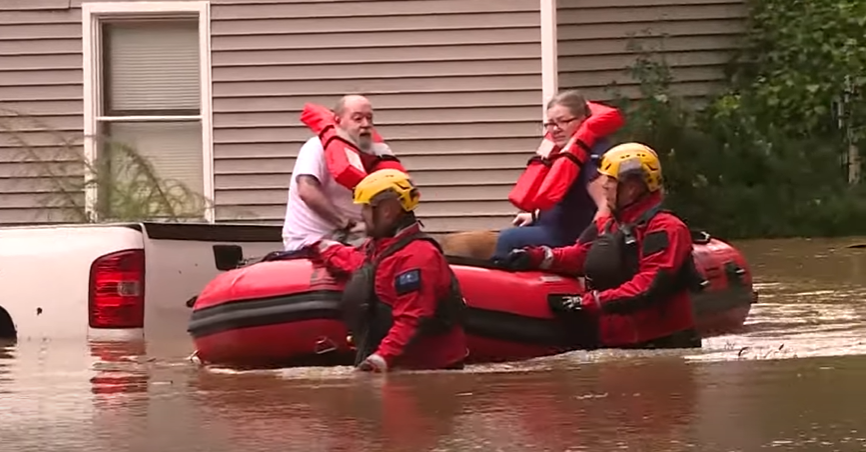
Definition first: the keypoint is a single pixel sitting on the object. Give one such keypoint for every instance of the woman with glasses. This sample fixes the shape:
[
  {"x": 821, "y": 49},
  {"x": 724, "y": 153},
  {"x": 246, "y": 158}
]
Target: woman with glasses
[{"x": 583, "y": 200}]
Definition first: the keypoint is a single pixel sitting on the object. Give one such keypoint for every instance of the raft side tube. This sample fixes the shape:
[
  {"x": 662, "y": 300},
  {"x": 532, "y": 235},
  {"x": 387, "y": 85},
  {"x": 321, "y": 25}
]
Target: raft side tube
[{"x": 239, "y": 318}]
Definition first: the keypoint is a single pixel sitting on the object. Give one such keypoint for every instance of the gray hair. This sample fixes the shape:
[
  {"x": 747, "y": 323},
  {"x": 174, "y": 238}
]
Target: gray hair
[
  {"x": 573, "y": 100},
  {"x": 340, "y": 108}
]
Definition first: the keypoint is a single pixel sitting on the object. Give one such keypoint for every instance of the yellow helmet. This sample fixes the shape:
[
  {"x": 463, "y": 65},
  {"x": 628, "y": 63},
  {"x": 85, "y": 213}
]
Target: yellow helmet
[
  {"x": 630, "y": 159},
  {"x": 384, "y": 182}
]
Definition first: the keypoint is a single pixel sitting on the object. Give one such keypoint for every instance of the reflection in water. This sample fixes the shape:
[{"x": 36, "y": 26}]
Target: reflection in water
[
  {"x": 117, "y": 369},
  {"x": 563, "y": 406},
  {"x": 339, "y": 414},
  {"x": 802, "y": 405},
  {"x": 7, "y": 353},
  {"x": 45, "y": 394},
  {"x": 734, "y": 395}
]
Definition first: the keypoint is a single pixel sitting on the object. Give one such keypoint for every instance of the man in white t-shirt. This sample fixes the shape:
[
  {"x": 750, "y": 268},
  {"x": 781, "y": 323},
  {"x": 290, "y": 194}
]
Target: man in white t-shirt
[{"x": 318, "y": 206}]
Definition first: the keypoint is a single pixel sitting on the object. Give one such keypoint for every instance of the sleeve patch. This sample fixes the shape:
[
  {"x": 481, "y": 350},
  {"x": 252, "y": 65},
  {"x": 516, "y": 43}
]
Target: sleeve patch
[
  {"x": 408, "y": 281},
  {"x": 655, "y": 242}
]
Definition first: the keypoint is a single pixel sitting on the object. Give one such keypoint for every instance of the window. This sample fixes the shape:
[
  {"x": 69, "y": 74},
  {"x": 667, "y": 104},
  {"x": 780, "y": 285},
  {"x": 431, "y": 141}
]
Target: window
[{"x": 147, "y": 99}]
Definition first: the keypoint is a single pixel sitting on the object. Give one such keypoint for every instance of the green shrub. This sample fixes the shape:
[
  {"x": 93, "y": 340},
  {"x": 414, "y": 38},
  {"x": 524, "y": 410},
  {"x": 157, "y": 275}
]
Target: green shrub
[
  {"x": 801, "y": 59},
  {"x": 728, "y": 169}
]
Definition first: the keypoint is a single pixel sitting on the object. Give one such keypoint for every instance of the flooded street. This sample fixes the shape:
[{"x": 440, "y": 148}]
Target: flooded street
[{"x": 791, "y": 382}]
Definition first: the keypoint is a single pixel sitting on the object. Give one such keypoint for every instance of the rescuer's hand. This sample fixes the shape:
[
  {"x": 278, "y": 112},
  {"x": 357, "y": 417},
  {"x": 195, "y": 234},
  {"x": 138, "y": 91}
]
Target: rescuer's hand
[{"x": 373, "y": 363}]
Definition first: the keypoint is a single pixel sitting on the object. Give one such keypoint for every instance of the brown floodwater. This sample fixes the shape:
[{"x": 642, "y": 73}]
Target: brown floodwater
[{"x": 792, "y": 382}]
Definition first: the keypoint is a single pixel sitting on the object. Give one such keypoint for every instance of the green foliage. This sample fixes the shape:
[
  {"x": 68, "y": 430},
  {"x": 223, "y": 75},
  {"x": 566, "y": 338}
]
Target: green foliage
[
  {"x": 128, "y": 187},
  {"x": 745, "y": 166},
  {"x": 801, "y": 59}
]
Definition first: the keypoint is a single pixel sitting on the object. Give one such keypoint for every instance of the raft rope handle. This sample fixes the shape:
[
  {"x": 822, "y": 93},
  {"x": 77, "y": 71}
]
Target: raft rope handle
[{"x": 324, "y": 345}]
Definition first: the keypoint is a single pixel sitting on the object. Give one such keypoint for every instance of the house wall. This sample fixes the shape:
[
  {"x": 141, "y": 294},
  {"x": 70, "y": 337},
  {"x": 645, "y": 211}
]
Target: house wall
[
  {"x": 593, "y": 38},
  {"x": 456, "y": 86},
  {"x": 41, "y": 75}
]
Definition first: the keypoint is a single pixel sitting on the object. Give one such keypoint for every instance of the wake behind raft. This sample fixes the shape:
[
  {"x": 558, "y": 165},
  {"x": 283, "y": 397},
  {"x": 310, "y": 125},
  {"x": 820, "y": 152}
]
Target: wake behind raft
[{"x": 287, "y": 312}]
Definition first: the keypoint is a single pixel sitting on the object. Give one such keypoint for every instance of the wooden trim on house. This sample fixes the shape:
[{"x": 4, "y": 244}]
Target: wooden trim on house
[{"x": 549, "y": 55}]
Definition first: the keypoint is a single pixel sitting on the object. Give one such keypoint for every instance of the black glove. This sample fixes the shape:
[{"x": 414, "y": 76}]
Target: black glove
[
  {"x": 565, "y": 304},
  {"x": 517, "y": 260}
]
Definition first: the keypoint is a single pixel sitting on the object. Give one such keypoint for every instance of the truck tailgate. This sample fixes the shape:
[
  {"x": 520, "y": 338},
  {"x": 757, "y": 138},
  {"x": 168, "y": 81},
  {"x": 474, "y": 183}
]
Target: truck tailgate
[{"x": 44, "y": 275}]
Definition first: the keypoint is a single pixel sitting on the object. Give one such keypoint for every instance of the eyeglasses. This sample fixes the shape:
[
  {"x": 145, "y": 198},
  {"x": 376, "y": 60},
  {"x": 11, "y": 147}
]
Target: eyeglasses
[{"x": 561, "y": 125}]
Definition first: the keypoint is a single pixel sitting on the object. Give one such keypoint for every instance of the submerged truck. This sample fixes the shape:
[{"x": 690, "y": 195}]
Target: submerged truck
[{"x": 116, "y": 281}]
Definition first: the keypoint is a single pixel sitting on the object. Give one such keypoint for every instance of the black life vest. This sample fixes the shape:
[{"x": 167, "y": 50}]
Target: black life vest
[
  {"x": 369, "y": 319},
  {"x": 614, "y": 259}
]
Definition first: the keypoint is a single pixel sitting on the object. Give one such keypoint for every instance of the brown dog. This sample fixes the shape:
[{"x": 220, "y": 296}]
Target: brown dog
[{"x": 471, "y": 244}]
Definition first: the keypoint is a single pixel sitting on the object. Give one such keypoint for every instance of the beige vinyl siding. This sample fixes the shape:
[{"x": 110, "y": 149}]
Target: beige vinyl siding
[
  {"x": 592, "y": 39},
  {"x": 456, "y": 88},
  {"x": 40, "y": 76},
  {"x": 456, "y": 85}
]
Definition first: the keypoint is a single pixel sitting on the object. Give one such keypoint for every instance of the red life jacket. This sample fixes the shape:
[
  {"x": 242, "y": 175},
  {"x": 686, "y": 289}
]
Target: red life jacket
[
  {"x": 552, "y": 170},
  {"x": 345, "y": 161}
]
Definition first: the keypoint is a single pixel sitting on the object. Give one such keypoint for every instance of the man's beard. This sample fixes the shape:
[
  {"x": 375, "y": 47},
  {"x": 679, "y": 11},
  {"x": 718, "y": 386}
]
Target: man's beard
[{"x": 365, "y": 142}]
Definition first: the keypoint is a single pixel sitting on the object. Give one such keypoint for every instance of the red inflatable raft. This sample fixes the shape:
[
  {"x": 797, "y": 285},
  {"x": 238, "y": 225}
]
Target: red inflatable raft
[{"x": 286, "y": 312}]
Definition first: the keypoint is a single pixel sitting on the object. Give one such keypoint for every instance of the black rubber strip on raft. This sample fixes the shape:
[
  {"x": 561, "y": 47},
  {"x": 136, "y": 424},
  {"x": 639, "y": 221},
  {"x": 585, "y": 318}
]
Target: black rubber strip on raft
[
  {"x": 485, "y": 323},
  {"x": 326, "y": 305},
  {"x": 235, "y": 315},
  {"x": 509, "y": 327}
]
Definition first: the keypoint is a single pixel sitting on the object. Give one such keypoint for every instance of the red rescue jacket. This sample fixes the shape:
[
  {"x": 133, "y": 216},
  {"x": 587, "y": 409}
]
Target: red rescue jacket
[
  {"x": 405, "y": 345},
  {"x": 635, "y": 312}
]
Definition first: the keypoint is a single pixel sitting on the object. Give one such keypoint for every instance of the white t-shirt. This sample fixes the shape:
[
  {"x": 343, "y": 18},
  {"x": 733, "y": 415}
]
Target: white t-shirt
[{"x": 303, "y": 226}]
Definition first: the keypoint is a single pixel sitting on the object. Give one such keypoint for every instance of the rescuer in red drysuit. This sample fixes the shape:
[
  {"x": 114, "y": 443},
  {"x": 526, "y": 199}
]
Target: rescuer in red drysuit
[
  {"x": 402, "y": 305},
  {"x": 637, "y": 261}
]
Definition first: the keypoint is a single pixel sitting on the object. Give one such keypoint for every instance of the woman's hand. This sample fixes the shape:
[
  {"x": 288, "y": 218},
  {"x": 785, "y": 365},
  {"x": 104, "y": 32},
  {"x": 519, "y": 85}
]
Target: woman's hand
[
  {"x": 522, "y": 219},
  {"x": 600, "y": 213}
]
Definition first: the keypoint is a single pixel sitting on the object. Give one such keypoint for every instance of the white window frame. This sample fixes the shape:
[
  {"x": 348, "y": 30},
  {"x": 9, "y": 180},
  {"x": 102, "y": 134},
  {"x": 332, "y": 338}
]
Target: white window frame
[
  {"x": 549, "y": 56},
  {"x": 91, "y": 15}
]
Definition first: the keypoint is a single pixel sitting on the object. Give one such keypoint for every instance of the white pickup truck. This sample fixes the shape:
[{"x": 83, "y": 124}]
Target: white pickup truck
[{"x": 123, "y": 281}]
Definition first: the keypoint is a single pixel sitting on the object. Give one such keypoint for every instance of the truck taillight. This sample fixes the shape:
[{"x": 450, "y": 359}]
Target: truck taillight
[{"x": 116, "y": 295}]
